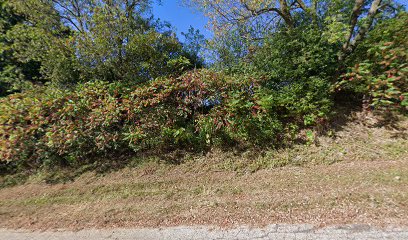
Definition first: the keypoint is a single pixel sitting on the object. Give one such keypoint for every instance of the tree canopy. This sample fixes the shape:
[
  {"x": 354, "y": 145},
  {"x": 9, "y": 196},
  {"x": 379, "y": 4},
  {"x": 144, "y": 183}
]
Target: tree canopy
[
  {"x": 73, "y": 41},
  {"x": 249, "y": 22},
  {"x": 82, "y": 79}
]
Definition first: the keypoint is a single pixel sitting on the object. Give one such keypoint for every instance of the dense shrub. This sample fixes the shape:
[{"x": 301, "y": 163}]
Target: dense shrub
[
  {"x": 196, "y": 110},
  {"x": 109, "y": 79},
  {"x": 99, "y": 117},
  {"x": 297, "y": 69},
  {"x": 380, "y": 70},
  {"x": 295, "y": 56}
]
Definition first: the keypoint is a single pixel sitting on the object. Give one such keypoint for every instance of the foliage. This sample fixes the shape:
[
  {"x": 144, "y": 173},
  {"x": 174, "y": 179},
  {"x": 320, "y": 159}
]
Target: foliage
[
  {"x": 98, "y": 117},
  {"x": 36, "y": 49},
  {"x": 252, "y": 21},
  {"x": 295, "y": 56},
  {"x": 120, "y": 45},
  {"x": 193, "y": 46},
  {"x": 98, "y": 78},
  {"x": 297, "y": 69},
  {"x": 196, "y": 110},
  {"x": 77, "y": 41},
  {"x": 381, "y": 69},
  {"x": 14, "y": 74}
]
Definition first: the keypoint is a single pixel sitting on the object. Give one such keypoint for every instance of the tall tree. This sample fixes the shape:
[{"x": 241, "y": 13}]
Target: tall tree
[
  {"x": 256, "y": 19},
  {"x": 13, "y": 72},
  {"x": 114, "y": 40}
]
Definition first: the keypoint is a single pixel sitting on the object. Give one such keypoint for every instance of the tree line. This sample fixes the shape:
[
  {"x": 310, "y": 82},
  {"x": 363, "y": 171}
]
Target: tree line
[{"x": 86, "y": 79}]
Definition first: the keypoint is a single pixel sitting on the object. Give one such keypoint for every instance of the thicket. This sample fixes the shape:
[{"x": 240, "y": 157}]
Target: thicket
[
  {"x": 380, "y": 69},
  {"x": 84, "y": 79}
]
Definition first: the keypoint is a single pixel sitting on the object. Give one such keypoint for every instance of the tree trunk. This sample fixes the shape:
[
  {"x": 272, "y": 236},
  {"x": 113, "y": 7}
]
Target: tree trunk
[
  {"x": 350, "y": 45},
  {"x": 285, "y": 13}
]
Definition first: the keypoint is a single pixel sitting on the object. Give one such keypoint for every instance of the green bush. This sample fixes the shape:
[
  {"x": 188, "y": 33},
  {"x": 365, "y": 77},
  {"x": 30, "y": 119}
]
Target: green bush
[
  {"x": 194, "y": 111},
  {"x": 99, "y": 117},
  {"x": 295, "y": 56},
  {"x": 297, "y": 68},
  {"x": 380, "y": 70}
]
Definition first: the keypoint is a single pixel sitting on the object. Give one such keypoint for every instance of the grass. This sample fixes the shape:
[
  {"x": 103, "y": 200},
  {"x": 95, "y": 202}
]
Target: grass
[{"x": 358, "y": 175}]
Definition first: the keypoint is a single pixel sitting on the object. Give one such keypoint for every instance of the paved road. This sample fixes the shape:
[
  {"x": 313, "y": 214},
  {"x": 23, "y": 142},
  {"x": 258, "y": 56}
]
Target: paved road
[{"x": 275, "y": 232}]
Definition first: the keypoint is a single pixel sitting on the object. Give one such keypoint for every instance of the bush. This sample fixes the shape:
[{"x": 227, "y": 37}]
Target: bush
[
  {"x": 297, "y": 68},
  {"x": 380, "y": 70},
  {"x": 97, "y": 118},
  {"x": 197, "y": 110},
  {"x": 295, "y": 56}
]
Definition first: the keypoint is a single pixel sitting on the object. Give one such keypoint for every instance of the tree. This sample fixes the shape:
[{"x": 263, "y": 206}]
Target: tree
[
  {"x": 193, "y": 45},
  {"x": 13, "y": 73},
  {"x": 255, "y": 20},
  {"x": 41, "y": 42},
  {"x": 118, "y": 44},
  {"x": 357, "y": 33},
  {"x": 82, "y": 40}
]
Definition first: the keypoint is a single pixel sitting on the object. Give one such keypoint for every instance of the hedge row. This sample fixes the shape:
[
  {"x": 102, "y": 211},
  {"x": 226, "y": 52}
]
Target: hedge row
[{"x": 197, "y": 110}]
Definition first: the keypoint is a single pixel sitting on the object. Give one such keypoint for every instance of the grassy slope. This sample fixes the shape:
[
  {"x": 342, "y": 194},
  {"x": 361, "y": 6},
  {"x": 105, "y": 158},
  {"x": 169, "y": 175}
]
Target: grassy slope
[{"x": 358, "y": 176}]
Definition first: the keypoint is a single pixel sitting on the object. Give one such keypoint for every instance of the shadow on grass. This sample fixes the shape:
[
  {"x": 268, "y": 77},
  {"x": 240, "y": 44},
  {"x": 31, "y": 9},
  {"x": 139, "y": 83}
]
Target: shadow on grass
[
  {"x": 346, "y": 111},
  {"x": 63, "y": 172}
]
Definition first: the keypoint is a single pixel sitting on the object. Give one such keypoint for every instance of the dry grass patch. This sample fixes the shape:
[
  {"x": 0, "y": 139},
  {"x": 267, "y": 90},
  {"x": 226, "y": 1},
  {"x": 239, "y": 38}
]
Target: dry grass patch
[{"x": 358, "y": 176}]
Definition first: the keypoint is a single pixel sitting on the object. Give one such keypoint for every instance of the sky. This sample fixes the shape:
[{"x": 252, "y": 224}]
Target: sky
[
  {"x": 181, "y": 17},
  {"x": 404, "y": 2}
]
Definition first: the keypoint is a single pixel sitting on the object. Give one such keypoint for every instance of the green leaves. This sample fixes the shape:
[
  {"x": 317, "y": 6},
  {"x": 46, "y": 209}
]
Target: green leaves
[
  {"x": 64, "y": 42},
  {"x": 381, "y": 71},
  {"x": 194, "y": 111}
]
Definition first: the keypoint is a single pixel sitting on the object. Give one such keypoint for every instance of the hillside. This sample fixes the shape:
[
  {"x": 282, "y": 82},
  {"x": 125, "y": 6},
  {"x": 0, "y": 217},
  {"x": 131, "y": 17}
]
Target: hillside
[
  {"x": 290, "y": 112},
  {"x": 359, "y": 174}
]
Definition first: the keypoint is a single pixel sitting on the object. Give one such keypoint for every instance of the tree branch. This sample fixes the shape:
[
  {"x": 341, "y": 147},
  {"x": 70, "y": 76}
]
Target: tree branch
[
  {"x": 351, "y": 43},
  {"x": 283, "y": 11},
  {"x": 364, "y": 29},
  {"x": 353, "y": 22}
]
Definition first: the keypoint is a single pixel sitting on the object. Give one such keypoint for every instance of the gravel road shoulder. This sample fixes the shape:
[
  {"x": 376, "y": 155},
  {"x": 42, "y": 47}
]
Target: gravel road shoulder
[{"x": 275, "y": 231}]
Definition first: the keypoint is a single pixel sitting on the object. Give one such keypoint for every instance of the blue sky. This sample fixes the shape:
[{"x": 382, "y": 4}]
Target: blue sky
[
  {"x": 404, "y": 2},
  {"x": 180, "y": 17}
]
